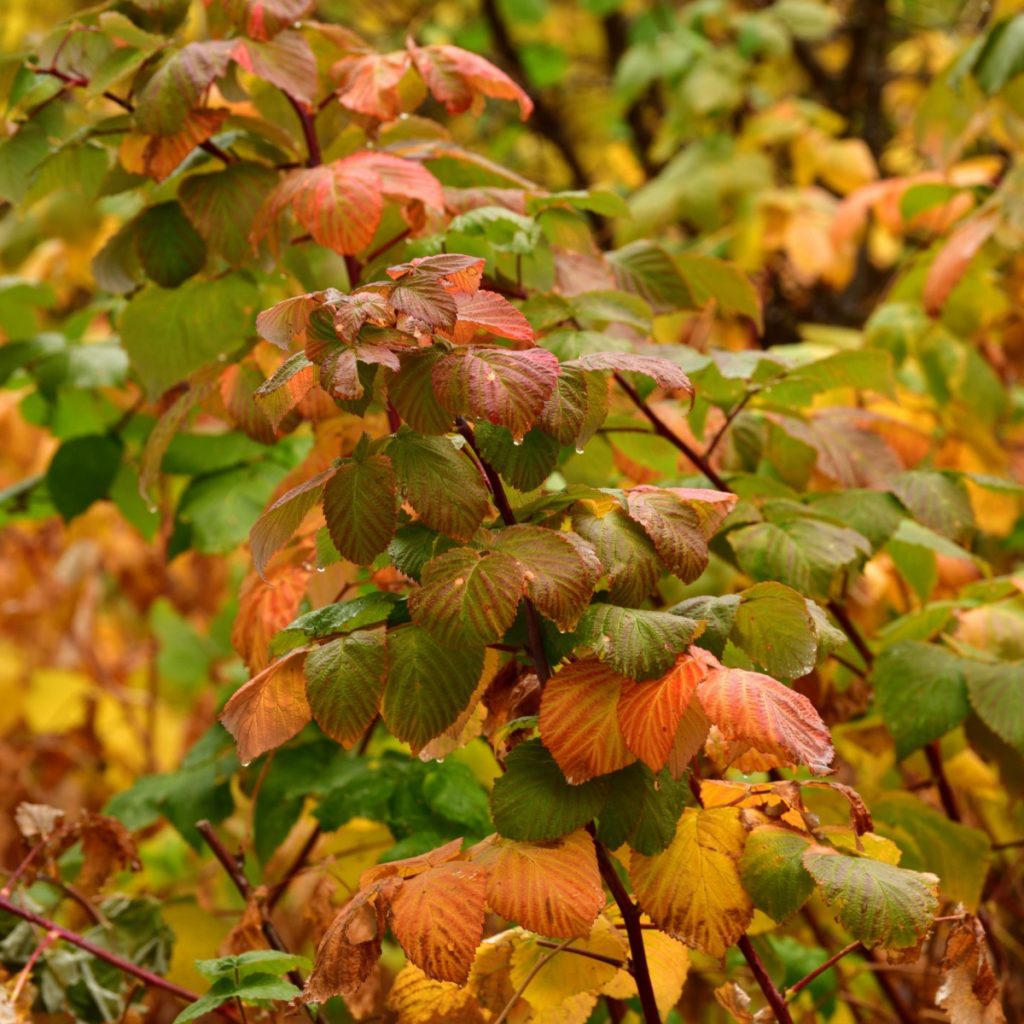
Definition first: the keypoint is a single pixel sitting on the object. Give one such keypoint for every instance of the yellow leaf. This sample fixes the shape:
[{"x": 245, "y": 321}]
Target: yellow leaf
[
  {"x": 565, "y": 977},
  {"x": 57, "y": 700},
  {"x": 874, "y": 846},
  {"x": 669, "y": 963},
  {"x": 417, "y": 999},
  {"x": 692, "y": 889}
]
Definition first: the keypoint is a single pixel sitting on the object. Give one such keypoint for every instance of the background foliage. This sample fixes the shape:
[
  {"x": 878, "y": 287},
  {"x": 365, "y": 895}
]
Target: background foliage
[{"x": 809, "y": 214}]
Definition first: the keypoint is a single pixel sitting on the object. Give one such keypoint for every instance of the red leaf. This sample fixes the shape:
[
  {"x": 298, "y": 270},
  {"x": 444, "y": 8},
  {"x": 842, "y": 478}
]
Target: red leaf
[
  {"x": 953, "y": 259},
  {"x": 399, "y": 179},
  {"x": 503, "y": 386},
  {"x": 275, "y": 527},
  {"x": 285, "y": 61},
  {"x": 490, "y": 312},
  {"x": 755, "y": 709},
  {"x": 458, "y": 273},
  {"x": 286, "y": 321},
  {"x": 340, "y": 209},
  {"x": 368, "y": 83},
  {"x": 157, "y": 156},
  {"x": 579, "y": 723},
  {"x": 459, "y": 79},
  {"x": 665, "y": 374}
]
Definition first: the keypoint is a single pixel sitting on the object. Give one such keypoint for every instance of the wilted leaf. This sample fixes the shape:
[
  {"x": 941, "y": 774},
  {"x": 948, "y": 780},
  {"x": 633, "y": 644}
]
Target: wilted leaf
[{"x": 970, "y": 990}]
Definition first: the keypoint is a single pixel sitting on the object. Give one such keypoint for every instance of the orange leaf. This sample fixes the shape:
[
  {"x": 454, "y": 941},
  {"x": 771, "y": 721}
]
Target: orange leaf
[
  {"x": 410, "y": 867},
  {"x": 579, "y": 723},
  {"x": 458, "y": 274},
  {"x": 266, "y": 606},
  {"x": 691, "y": 733},
  {"x": 650, "y": 713},
  {"x": 269, "y": 709},
  {"x": 551, "y": 888},
  {"x": 752, "y": 708},
  {"x": 951, "y": 263},
  {"x": 459, "y": 79},
  {"x": 157, "y": 156},
  {"x": 438, "y": 918},
  {"x": 350, "y": 948}
]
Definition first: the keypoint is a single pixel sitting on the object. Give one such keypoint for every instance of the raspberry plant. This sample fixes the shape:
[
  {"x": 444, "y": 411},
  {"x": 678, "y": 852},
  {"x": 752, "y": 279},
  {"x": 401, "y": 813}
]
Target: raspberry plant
[{"x": 581, "y": 609}]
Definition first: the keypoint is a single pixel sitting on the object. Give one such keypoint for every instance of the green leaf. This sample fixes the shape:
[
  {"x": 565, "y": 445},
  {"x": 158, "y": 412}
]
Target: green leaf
[
  {"x": 168, "y": 334},
  {"x": 256, "y": 961},
  {"x": 921, "y": 691},
  {"x": 169, "y": 248},
  {"x": 959, "y": 855},
  {"x": 642, "y": 809},
  {"x": 996, "y": 693},
  {"x": 937, "y": 501},
  {"x": 647, "y": 270},
  {"x": 82, "y": 471},
  {"x": 636, "y": 643},
  {"x": 718, "y": 615},
  {"x": 223, "y": 205},
  {"x": 560, "y": 570},
  {"x": 774, "y": 627},
  {"x": 626, "y": 552},
  {"x": 1002, "y": 56},
  {"x": 803, "y": 552},
  {"x": 414, "y": 545},
  {"x": 773, "y": 872},
  {"x": 876, "y": 902},
  {"x": 178, "y": 84},
  {"x": 525, "y": 465},
  {"x": 533, "y": 802},
  {"x": 725, "y": 283},
  {"x": 675, "y": 528},
  {"x": 252, "y": 988},
  {"x": 509, "y": 387},
  {"x": 411, "y": 391},
  {"x": 340, "y": 617},
  {"x": 344, "y": 683},
  {"x": 441, "y": 483},
  {"x": 360, "y": 509},
  {"x": 577, "y": 407},
  {"x": 428, "y": 685},
  {"x": 596, "y": 310},
  {"x": 468, "y": 596},
  {"x": 875, "y": 515}
]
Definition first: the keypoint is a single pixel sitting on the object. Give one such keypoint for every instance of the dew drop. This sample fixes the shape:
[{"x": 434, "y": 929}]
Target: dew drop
[
  {"x": 221, "y": 357},
  {"x": 321, "y": 568},
  {"x": 579, "y": 451},
  {"x": 153, "y": 509},
  {"x": 245, "y": 764},
  {"x": 517, "y": 441}
]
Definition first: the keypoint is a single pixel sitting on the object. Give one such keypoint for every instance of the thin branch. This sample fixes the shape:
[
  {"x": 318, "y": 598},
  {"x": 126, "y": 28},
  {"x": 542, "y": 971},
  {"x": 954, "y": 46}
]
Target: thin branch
[
  {"x": 764, "y": 981},
  {"x": 534, "y": 971},
  {"x": 234, "y": 871},
  {"x": 308, "y": 122},
  {"x": 26, "y": 972},
  {"x": 12, "y": 878},
  {"x": 146, "y": 977},
  {"x": 634, "y": 933},
  {"x": 599, "y": 957},
  {"x": 733, "y": 413},
  {"x": 533, "y": 629},
  {"x": 295, "y": 867},
  {"x": 799, "y": 986},
  {"x": 384, "y": 246},
  {"x": 662, "y": 429},
  {"x": 933, "y": 753},
  {"x": 853, "y": 633}
]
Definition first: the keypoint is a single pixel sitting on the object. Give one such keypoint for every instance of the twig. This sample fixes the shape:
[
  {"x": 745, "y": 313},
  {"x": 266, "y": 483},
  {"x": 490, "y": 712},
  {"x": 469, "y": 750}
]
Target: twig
[
  {"x": 599, "y": 957},
  {"x": 820, "y": 969},
  {"x": 852, "y": 632},
  {"x": 26, "y": 972},
  {"x": 634, "y": 933},
  {"x": 147, "y": 977},
  {"x": 533, "y": 630},
  {"x": 384, "y": 246},
  {"x": 12, "y": 878},
  {"x": 234, "y": 871},
  {"x": 307, "y": 121},
  {"x": 534, "y": 971},
  {"x": 933, "y": 753},
  {"x": 295, "y": 867},
  {"x": 664, "y": 430},
  {"x": 733, "y": 413},
  {"x": 764, "y": 981}
]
